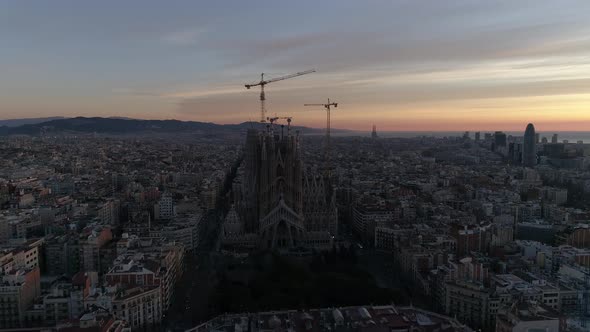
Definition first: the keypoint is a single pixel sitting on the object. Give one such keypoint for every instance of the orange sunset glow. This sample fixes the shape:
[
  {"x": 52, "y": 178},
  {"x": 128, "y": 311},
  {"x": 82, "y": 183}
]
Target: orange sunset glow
[{"x": 460, "y": 66}]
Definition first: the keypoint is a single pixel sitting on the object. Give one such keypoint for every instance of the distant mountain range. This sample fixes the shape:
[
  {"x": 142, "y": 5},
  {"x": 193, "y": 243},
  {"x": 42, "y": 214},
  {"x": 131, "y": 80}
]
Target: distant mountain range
[
  {"x": 123, "y": 126},
  {"x": 20, "y": 122}
]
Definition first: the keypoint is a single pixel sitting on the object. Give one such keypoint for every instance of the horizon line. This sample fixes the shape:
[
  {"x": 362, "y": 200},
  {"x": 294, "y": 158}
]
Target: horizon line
[{"x": 58, "y": 117}]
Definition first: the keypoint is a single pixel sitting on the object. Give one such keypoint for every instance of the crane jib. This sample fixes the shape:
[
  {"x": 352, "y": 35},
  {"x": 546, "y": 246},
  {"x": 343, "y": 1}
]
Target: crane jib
[{"x": 262, "y": 83}]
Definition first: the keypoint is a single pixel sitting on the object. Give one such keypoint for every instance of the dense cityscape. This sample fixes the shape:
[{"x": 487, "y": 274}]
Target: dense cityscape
[
  {"x": 295, "y": 166},
  {"x": 258, "y": 232}
]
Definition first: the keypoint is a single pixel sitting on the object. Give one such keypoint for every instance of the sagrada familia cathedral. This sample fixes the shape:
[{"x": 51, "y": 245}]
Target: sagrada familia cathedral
[{"x": 277, "y": 205}]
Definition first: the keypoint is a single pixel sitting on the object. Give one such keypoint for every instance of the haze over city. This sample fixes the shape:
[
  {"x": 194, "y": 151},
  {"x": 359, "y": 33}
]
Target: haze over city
[{"x": 406, "y": 65}]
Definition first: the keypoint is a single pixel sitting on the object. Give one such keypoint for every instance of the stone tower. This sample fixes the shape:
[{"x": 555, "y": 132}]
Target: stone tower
[
  {"x": 274, "y": 187},
  {"x": 277, "y": 205}
]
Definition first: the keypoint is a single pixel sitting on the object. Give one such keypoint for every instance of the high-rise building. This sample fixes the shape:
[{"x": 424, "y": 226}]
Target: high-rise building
[
  {"x": 554, "y": 139},
  {"x": 537, "y": 138},
  {"x": 499, "y": 139},
  {"x": 529, "y": 151},
  {"x": 477, "y": 136},
  {"x": 515, "y": 152},
  {"x": 374, "y": 132}
]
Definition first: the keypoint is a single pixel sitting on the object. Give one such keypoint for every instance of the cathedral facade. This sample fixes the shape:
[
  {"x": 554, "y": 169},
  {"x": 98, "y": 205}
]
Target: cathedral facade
[{"x": 276, "y": 204}]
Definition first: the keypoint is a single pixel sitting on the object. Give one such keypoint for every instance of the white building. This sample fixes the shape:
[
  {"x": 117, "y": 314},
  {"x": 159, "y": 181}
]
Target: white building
[
  {"x": 109, "y": 212},
  {"x": 527, "y": 316},
  {"x": 165, "y": 208}
]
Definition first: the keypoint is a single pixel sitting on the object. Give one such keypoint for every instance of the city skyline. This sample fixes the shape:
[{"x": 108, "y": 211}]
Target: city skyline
[{"x": 403, "y": 65}]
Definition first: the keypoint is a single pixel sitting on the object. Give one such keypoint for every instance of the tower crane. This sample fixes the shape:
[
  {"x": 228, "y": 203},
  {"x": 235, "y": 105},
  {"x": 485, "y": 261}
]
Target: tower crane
[
  {"x": 263, "y": 82},
  {"x": 327, "y": 147}
]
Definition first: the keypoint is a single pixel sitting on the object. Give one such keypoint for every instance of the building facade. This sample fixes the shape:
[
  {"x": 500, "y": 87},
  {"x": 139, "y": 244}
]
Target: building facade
[{"x": 277, "y": 205}]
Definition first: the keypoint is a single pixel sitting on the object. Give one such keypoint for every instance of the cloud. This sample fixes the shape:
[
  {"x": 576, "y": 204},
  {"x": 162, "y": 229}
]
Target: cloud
[
  {"x": 183, "y": 93},
  {"x": 202, "y": 92},
  {"x": 184, "y": 37},
  {"x": 397, "y": 55}
]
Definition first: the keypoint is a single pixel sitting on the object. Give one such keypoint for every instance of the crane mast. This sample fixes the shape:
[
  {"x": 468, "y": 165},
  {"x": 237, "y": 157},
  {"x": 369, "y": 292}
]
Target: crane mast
[
  {"x": 327, "y": 149},
  {"x": 263, "y": 82}
]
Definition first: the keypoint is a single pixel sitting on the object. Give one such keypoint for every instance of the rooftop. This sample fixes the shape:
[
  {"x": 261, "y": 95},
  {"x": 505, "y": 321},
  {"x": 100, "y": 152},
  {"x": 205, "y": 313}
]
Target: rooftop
[{"x": 361, "y": 318}]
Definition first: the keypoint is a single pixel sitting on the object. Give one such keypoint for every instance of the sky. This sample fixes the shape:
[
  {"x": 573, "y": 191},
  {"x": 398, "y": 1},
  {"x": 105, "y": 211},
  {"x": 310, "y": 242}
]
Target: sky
[{"x": 402, "y": 65}]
